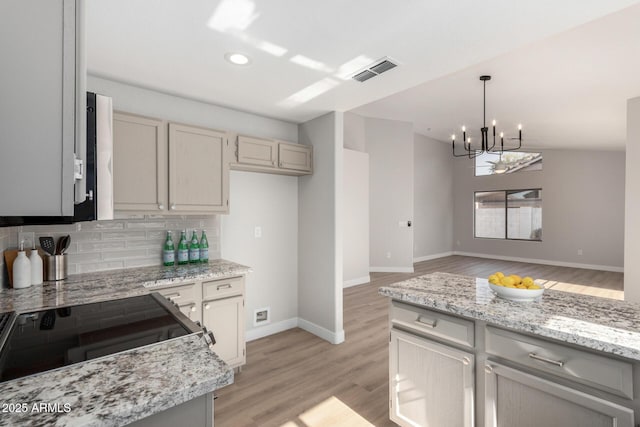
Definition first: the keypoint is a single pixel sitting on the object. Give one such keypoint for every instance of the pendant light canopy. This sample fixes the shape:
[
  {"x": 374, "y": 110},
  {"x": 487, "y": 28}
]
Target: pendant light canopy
[{"x": 471, "y": 151}]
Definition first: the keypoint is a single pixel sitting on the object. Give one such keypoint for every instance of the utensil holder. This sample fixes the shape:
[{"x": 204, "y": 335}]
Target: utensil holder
[{"x": 55, "y": 267}]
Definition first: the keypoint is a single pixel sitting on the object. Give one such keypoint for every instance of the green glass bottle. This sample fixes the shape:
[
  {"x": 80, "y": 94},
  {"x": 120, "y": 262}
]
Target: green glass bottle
[
  {"x": 204, "y": 248},
  {"x": 183, "y": 249},
  {"x": 194, "y": 249},
  {"x": 168, "y": 251}
]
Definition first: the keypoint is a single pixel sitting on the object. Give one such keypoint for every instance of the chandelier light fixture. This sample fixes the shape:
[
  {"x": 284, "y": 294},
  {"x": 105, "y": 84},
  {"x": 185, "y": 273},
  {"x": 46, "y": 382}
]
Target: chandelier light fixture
[{"x": 471, "y": 151}]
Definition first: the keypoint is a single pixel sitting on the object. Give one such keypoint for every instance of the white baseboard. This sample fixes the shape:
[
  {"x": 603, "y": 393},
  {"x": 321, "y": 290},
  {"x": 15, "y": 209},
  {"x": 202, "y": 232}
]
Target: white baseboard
[
  {"x": 356, "y": 281},
  {"x": 434, "y": 256},
  {"x": 391, "y": 269},
  {"x": 325, "y": 334},
  {"x": 544, "y": 261},
  {"x": 273, "y": 328}
]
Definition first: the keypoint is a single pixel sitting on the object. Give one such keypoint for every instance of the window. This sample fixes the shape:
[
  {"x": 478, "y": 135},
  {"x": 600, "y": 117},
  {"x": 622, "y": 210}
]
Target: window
[
  {"x": 509, "y": 214},
  {"x": 508, "y": 162}
]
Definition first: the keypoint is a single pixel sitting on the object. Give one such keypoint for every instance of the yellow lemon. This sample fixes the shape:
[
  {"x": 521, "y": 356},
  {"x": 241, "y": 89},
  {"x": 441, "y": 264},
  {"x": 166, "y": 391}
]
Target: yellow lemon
[
  {"x": 527, "y": 281},
  {"x": 500, "y": 274},
  {"x": 493, "y": 277},
  {"x": 494, "y": 280},
  {"x": 534, "y": 287},
  {"x": 516, "y": 278},
  {"x": 507, "y": 281}
]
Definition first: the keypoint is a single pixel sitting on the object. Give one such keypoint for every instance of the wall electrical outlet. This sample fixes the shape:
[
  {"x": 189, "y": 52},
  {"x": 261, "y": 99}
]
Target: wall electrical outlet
[
  {"x": 261, "y": 316},
  {"x": 28, "y": 237},
  {"x": 257, "y": 232}
]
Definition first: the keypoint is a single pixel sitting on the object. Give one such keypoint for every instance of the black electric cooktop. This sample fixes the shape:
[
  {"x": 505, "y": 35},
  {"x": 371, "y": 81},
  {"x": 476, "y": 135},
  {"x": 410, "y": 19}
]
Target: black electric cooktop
[{"x": 48, "y": 339}]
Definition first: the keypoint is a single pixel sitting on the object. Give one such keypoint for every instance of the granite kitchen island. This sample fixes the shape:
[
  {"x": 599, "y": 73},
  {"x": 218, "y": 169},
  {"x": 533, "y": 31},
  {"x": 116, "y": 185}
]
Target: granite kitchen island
[
  {"x": 133, "y": 386},
  {"x": 576, "y": 356}
]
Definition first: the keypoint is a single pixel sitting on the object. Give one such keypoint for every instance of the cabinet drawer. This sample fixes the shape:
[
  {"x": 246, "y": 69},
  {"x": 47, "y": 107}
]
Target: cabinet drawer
[
  {"x": 181, "y": 294},
  {"x": 432, "y": 323},
  {"x": 256, "y": 151},
  {"x": 604, "y": 373},
  {"x": 222, "y": 288}
]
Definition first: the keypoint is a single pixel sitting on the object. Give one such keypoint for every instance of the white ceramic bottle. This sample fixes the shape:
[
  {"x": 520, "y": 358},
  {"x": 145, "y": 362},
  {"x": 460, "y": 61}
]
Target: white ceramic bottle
[
  {"x": 36, "y": 266},
  {"x": 21, "y": 269}
]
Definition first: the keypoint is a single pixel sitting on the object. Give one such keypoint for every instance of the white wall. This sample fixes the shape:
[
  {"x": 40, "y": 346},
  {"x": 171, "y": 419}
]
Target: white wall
[
  {"x": 390, "y": 147},
  {"x": 632, "y": 203},
  {"x": 432, "y": 199},
  {"x": 356, "y": 218},
  {"x": 354, "y": 132},
  {"x": 582, "y": 208},
  {"x": 272, "y": 205},
  {"x": 320, "y": 230}
]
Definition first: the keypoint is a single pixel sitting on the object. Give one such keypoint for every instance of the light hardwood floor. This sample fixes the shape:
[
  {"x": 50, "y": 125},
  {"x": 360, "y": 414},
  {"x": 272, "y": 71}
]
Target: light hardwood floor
[{"x": 297, "y": 379}]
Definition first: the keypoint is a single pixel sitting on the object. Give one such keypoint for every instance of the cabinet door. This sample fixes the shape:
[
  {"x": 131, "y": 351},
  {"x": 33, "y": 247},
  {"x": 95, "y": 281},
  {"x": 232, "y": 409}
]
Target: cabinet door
[
  {"x": 514, "y": 398},
  {"x": 294, "y": 156},
  {"x": 225, "y": 318},
  {"x": 198, "y": 169},
  {"x": 38, "y": 98},
  {"x": 256, "y": 151},
  {"x": 139, "y": 163},
  {"x": 430, "y": 384}
]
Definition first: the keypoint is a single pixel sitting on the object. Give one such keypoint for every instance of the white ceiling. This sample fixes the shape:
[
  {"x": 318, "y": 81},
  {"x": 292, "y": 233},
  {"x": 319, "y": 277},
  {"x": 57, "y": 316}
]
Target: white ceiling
[{"x": 569, "y": 88}]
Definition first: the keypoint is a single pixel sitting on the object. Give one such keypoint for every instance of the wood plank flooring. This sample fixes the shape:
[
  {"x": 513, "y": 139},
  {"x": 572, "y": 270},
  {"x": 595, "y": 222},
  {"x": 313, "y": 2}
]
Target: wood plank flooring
[{"x": 297, "y": 379}]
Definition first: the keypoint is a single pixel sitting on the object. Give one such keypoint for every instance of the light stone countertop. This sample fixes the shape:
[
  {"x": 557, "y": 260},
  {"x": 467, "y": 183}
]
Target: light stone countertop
[
  {"x": 121, "y": 388},
  {"x": 602, "y": 324},
  {"x": 113, "y": 284}
]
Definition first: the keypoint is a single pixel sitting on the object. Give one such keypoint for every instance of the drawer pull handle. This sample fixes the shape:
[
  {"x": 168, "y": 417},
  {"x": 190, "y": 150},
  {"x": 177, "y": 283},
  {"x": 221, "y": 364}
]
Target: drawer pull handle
[
  {"x": 225, "y": 286},
  {"x": 466, "y": 361},
  {"x": 430, "y": 323},
  {"x": 488, "y": 369},
  {"x": 559, "y": 363},
  {"x": 171, "y": 297},
  {"x": 207, "y": 306}
]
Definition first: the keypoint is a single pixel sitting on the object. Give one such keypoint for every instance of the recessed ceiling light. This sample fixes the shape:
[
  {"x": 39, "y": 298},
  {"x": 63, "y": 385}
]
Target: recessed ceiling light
[{"x": 237, "y": 58}]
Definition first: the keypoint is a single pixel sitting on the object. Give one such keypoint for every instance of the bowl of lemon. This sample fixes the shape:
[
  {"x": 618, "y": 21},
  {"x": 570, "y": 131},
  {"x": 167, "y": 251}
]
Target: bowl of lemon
[{"x": 514, "y": 287}]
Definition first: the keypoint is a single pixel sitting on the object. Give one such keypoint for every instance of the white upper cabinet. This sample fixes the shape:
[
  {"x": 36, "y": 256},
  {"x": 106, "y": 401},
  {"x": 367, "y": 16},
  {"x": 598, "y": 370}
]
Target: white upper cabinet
[
  {"x": 198, "y": 169},
  {"x": 139, "y": 163},
  {"x": 272, "y": 156},
  {"x": 42, "y": 105},
  {"x": 295, "y": 157},
  {"x": 167, "y": 168}
]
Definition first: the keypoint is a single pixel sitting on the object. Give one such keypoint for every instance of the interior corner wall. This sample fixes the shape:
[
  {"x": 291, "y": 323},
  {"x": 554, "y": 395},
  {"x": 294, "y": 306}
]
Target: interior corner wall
[
  {"x": 632, "y": 204},
  {"x": 583, "y": 201},
  {"x": 320, "y": 230},
  {"x": 356, "y": 218},
  {"x": 390, "y": 147},
  {"x": 433, "y": 199},
  {"x": 354, "y": 133}
]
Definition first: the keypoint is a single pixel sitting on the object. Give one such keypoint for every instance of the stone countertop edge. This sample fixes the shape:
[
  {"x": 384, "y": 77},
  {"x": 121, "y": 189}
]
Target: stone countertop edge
[
  {"x": 601, "y": 324},
  {"x": 113, "y": 284},
  {"x": 120, "y": 389}
]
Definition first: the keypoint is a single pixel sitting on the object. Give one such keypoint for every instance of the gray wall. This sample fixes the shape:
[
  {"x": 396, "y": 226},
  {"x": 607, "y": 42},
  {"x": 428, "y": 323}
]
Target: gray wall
[
  {"x": 390, "y": 147},
  {"x": 272, "y": 204},
  {"x": 582, "y": 208},
  {"x": 356, "y": 218},
  {"x": 432, "y": 199},
  {"x": 319, "y": 230},
  {"x": 354, "y": 133},
  {"x": 632, "y": 204}
]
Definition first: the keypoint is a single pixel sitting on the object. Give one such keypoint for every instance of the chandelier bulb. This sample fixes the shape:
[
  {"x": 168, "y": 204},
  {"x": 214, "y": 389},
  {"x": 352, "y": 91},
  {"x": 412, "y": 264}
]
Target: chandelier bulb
[
  {"x": 469, "y": 140},
  {"x": 501, "y": 134},
  {"x": 453, "y": 137},
  {"x": 464, "y": 128},
  {"x": 494, "y": 122},
  {"x": 519, "y": 127}
]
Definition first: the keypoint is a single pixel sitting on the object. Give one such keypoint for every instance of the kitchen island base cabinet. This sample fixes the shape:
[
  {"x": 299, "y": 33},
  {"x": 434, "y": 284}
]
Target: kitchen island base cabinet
[
  {"x": 515, "y": 398},
  {"x": 431, "y": 384},
  {"x": 196, "y": 412}
]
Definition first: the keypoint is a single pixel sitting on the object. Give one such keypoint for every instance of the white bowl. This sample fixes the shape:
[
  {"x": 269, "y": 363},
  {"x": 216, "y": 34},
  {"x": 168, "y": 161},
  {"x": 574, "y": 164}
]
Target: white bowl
[{"x": 515, "y": 294}]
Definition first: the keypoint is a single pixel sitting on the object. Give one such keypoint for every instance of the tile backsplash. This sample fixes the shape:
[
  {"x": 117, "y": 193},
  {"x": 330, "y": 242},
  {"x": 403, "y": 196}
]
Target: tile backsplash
[{"x": 121, "y": 243}]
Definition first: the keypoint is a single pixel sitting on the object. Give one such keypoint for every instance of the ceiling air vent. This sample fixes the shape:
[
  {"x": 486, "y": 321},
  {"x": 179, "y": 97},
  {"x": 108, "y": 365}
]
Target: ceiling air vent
[
  {"x": 364, "y": 76},
  {"x": 377, "y": 68}
]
